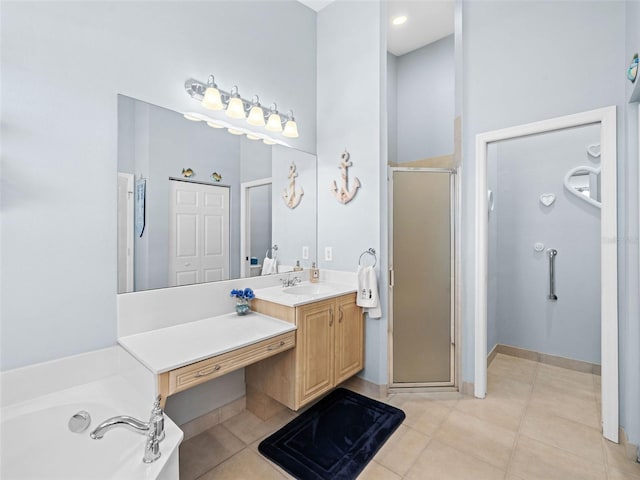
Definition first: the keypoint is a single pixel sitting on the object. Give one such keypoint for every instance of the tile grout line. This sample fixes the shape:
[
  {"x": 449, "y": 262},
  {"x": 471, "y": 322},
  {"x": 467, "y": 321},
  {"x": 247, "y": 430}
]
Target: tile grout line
[{"x": 524, "y": 414}]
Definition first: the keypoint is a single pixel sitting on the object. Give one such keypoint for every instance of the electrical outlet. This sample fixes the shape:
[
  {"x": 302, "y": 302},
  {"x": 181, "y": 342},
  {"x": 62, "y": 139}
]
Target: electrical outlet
[
  {"x": 305, "y": 253},
  {"x": 328, "y": 254}
]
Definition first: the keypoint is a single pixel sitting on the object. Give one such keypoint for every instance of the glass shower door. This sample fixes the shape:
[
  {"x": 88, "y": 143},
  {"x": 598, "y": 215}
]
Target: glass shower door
[{"x": 422, "y": 270}]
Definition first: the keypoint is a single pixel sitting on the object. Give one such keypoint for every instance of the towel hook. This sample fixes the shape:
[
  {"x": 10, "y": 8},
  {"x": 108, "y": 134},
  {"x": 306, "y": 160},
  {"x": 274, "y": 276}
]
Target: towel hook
[{"x": 370, "y": 251}]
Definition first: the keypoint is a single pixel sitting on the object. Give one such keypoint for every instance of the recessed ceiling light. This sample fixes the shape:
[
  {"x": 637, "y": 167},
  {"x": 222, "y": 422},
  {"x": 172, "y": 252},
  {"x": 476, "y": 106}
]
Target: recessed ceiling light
[{"x": 399, "y": 20}]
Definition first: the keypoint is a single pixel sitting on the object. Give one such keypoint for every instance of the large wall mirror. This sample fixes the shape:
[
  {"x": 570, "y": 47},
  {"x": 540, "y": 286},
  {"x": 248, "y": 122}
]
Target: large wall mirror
[{"x": 199, "y": 204}]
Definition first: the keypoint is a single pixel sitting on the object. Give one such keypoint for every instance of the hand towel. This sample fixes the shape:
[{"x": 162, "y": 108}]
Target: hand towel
[
  {"x": 269, "y": 266},
  {"x": 367, "y": 296}
]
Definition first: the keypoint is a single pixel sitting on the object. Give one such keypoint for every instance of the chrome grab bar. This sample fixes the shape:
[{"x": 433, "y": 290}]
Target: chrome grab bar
[{"x": 552, "y": 252}]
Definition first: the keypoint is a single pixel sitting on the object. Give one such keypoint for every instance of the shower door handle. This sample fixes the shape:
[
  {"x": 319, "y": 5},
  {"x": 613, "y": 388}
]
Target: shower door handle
[{"x": 552, "y": 252}]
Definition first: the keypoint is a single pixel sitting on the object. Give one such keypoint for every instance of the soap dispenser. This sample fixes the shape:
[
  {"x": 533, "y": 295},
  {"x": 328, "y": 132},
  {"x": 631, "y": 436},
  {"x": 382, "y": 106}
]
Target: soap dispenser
[
  {"x": 297, "y": 268},
  {"x": 314, "y": 274}
]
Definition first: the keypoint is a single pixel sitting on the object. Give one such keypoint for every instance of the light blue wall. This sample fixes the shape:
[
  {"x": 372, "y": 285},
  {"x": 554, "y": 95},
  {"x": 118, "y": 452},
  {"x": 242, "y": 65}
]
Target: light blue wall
[
  {"x": 290, "y": 240},
  {"x": 425, "y": 101},
  {"x": 392, "y": 107},
  {"x": 63, "y": 64},
  {"x": 524, "y": 169},
  {"x": 350, "y": 87},
  {"x": 560, "y": 58}
]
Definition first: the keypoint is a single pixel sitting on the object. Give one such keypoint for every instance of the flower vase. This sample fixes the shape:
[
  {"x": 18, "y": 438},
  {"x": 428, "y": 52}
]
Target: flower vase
[{"x": 242, "y": 306}]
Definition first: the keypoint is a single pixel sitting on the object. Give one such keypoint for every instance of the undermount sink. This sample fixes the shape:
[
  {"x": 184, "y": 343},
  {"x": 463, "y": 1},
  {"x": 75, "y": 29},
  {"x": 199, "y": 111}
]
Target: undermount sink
[{"x": 307, "y": 290}]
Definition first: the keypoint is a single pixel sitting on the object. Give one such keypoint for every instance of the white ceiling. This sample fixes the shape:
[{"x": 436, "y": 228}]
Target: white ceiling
[{"x": 428, "y": 21}]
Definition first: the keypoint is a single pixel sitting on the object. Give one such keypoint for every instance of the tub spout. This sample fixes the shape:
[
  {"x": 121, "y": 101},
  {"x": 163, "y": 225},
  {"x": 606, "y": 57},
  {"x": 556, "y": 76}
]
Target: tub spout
[
  {"x": 129, "y": 423},
  {"x": 153, "y": 429}
]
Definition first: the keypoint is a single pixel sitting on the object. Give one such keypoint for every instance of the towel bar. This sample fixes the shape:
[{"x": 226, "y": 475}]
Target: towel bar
[{"x": 371, "y": 252}]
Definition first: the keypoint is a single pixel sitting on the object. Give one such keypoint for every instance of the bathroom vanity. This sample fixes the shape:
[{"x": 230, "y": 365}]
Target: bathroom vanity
[
  {"x": 329, "y": 345},
  {"x": 192, "y": 353},
  {"x": 297, "y": 344}
]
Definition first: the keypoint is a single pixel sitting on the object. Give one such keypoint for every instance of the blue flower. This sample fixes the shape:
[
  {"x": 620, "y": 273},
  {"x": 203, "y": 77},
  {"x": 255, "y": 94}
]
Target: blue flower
[{"x": 246, "y": 294}]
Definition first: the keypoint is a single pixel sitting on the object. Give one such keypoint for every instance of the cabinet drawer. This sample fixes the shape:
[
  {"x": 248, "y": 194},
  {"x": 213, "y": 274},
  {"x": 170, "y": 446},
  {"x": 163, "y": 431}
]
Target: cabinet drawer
[{"x": 191, "y": 375}]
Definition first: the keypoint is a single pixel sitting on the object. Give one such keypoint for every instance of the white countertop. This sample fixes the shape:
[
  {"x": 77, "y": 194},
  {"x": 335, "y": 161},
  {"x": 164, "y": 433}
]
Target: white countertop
[
  {"x": 173, "y": 347},
  {"x": 327, "y": 290}
]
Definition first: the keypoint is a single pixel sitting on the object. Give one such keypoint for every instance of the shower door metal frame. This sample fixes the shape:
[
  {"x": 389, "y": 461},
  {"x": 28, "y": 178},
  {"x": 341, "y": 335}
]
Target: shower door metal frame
[{"x": 451, "y": 385}]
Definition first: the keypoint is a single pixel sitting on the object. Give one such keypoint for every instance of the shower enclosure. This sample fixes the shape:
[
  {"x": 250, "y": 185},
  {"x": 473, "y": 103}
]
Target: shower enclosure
[{"x": 422, "y": 277}]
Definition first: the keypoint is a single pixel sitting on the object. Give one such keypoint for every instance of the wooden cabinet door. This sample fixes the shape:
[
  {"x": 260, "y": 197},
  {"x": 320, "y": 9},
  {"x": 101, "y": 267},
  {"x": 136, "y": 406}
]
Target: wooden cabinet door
[
  {"x": 315, "y": 347},
  {"x": 349, "y": 356}
]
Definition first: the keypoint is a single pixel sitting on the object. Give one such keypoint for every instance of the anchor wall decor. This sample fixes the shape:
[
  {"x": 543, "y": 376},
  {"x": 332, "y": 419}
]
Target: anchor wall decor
[
  {"x": 344, "y": 195},
  {"x": 291, "y": 196}
]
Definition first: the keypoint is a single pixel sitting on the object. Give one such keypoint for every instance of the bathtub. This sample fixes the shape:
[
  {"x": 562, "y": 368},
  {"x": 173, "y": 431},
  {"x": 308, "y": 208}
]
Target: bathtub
[{"x": 36, "y": 443}]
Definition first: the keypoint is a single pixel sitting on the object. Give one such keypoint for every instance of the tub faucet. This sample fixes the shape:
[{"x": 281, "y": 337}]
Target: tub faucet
[{"x": 153, "y": 429}]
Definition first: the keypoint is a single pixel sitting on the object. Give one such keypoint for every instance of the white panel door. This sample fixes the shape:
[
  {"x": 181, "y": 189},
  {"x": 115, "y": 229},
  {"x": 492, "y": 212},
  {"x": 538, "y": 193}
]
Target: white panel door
[
  {"x": 125, "y": 232},
  {"x": 198, "y": 233}
]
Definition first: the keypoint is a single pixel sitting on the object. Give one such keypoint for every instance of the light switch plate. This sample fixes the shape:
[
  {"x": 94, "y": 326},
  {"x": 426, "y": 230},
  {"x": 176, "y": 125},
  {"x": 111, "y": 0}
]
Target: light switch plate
[
  {"x": 328, "y": 254},
  {"x": 305, "y": 253}
]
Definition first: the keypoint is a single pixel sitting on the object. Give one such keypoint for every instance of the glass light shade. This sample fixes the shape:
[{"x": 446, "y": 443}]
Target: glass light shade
[
  {"x": 235, "y": 109},
  {"x": 274, "y": 124},
  {"x": 212, "y": 99},
  {"x": 256, "y": 116},
  {"x": 251, "y": 136},
  {"x": 215, "y": 125},
  {"x": 192, "y": 117},
  {"x": 235, "y": 131},
  {"x": 290, "y": 129},
  {"x": 268, "y": 142}
]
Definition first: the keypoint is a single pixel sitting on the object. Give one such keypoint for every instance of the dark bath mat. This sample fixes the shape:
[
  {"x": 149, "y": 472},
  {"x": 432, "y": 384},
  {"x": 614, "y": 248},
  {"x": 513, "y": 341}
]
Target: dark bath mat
[{"x": 334, "y": 439}]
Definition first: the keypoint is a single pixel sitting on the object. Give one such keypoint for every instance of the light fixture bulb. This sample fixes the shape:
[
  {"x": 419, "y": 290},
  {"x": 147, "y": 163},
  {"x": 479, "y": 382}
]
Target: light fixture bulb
[
  {"x": 235, "y": 131},
  {"x": 212, "y": 99},
  {"x": 192, "y": 117},
  {"x": 268, "y": 141},
  {"x": 274, "y": 124},
  {"x": 215, "y": 125},
  {"x": 399, "y": 20},
  {"x": 256, "y": 116},
  {"x": 251, "y": 136},
  {"x": 290, "y": 127},
  {"x": 235, "y": 108}
]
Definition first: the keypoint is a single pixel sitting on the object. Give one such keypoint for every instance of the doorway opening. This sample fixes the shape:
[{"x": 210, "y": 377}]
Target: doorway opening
[{"x": 606, "y": 120}]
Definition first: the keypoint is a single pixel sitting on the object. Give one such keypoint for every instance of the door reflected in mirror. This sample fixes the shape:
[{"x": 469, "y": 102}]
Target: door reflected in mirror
[{"x": 210, "y": 206}]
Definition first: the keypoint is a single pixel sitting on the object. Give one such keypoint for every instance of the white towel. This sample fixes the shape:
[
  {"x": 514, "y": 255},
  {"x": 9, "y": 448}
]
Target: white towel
[
  {"x": 368, "y": 292},
  {"x": 269, "y": 266}
]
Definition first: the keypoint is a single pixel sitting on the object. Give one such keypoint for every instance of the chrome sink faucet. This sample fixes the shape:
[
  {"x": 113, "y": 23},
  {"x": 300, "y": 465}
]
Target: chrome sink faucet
[
  {"x": 153, "y": 429},
  {"x": 290, "y": 282}
]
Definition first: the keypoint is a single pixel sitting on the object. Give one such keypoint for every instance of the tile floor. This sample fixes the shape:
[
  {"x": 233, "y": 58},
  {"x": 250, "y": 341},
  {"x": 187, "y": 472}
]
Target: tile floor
[{"x": 538, "y": 422}]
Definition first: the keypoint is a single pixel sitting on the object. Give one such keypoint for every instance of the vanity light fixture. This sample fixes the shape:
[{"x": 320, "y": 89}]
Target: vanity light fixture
[
  {"x": 399, "y": 20},
  {"x": 274, "y": 123},
  {"x": 267, "y": 141},
  {"x": 251, "y": 136},
  {"x": 290, "y": 127},
  {"x": 213, "y": 98},
  {"x": 235, "y": 131},
  {"x": 192, "y": 117},
  {"x": 256, "y": 114},
  {"x": 235, "y": 107},
  {"x": 215, "y": 125}
]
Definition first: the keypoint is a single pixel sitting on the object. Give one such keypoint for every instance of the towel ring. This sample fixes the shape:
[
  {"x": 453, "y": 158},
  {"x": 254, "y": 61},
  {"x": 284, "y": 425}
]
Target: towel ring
[
  {"x": 275, "y": 251},
  {"x": 371, "y": 252}
]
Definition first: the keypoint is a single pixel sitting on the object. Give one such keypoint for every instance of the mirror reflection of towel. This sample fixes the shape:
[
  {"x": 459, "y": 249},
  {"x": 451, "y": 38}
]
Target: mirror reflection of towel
[
  {"x": 367, "y": 296},
  {"x": 269, "y": 266}
]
